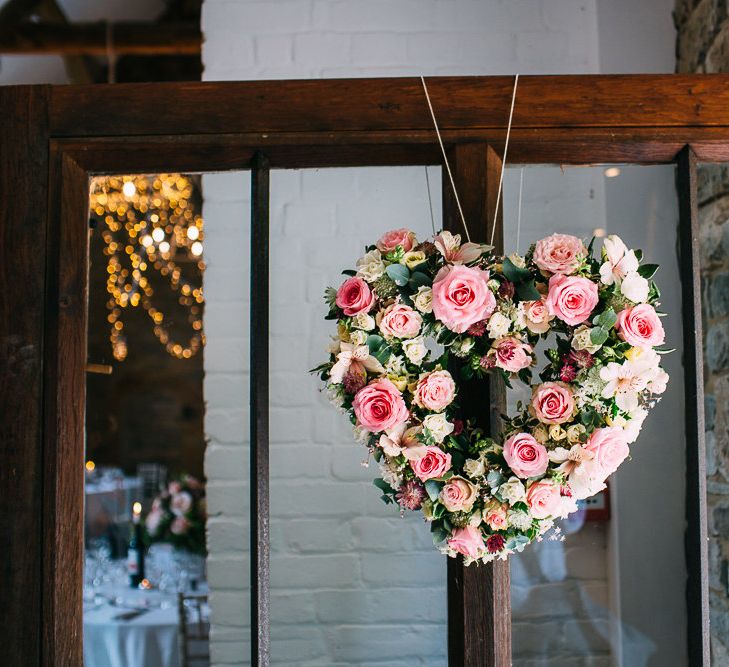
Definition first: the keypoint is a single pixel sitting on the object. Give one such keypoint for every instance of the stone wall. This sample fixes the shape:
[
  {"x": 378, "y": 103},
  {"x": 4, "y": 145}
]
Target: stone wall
[{"x": 703, "y": 46}]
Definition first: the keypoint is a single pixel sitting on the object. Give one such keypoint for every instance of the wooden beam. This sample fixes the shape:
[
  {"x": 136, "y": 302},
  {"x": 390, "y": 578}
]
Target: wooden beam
[
  {"x": 479, "y": 602},
  {"x": 23, "y": 228},
  {"x": 697, "y": 539},
  {"x": 92, "y": 39}
]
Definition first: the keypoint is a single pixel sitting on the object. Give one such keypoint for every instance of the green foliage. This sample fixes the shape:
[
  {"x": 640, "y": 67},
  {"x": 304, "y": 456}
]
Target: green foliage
[{"x": 399, "y": 274}]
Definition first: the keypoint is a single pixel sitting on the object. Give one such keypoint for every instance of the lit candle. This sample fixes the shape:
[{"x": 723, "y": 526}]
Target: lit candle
[
  {"x": 90, "y": 465},
  {"x": 136, "y": 512}
]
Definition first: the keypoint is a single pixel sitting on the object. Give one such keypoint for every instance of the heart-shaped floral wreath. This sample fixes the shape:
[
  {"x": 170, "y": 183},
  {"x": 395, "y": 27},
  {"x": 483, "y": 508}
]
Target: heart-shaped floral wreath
[{"x": 487, "y": 498}]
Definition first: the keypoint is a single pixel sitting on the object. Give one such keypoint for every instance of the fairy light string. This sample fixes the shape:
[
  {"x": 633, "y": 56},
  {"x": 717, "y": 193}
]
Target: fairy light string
[{"x": 150, "y": 227}]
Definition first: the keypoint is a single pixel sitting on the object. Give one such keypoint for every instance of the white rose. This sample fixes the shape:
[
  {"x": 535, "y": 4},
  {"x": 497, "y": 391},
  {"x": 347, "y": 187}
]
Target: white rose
[
  {"x": 462, "y": 346},
  {"x": 358, "y": 337},
  {"x": 582, "y": 341},
  {"x": 498, "y": 325},
  {"x": 438, "y": 426},
  {"x": 574, "y": 432},
  {"x": 424, "y": 299},
  {"x": 474, "y": 468},
  {"x": 413, "y": 258},
  {"x": 363, "y": 321},
  {"x": 512, "y": 491},
  {"x": 370, "y": 267},
  {"x": 635, "y": 287},
  {"x": 415, "y": 350}
]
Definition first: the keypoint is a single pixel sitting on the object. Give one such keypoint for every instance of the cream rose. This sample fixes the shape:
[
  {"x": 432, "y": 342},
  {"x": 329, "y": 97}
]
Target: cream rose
[
  {"x": 415, "y": 350},
  {"x": 498, "y": 325},
  {"x": 399, "y": 321},
  {"x": 424, "y": 299},
  {"x": 537, "y": 317},
  {"x": 438, "y": 426},
  {"x": 581, "y": 340},
  {"x": 435, "y": 391},
  {"x": 413, "y": 258},
  {"x": 512, "y": 491},
  {"x": 370, "y": 266},
  {"x": 559, "y": 253}
]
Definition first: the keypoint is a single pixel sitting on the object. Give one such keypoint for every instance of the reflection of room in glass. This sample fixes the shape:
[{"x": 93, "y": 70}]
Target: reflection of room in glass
[{"x": 145, "y": 495}]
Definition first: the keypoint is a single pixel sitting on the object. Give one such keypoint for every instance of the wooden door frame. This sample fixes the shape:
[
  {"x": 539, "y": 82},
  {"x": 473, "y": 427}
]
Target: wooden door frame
[{"x": 52, "y": 139}]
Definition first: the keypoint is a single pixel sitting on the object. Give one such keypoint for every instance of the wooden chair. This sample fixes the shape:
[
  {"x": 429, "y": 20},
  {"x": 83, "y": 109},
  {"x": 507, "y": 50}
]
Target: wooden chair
[{"x": 194, "y": 630}]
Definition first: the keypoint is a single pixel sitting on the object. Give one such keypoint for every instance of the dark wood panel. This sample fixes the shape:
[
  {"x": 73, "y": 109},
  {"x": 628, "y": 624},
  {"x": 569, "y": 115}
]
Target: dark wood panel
[
  {"x": 23, "y": 228},
  {"x": 337, "y": 105},
  {"x": 569, "y": 146},
  {"x": 64, "y": 409},
  {"x": 259, "y": 508},
  {"x": 479, "y": 602},
  {"x": 697, "y": 559}
]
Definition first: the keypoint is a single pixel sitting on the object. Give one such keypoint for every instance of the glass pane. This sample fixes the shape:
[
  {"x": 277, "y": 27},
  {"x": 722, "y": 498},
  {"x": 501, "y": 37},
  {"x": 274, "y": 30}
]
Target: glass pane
[
  {"x": 613, "y": 591},
  {"x": 352, "y": 583},
  {"x": 149, "y": 443}
]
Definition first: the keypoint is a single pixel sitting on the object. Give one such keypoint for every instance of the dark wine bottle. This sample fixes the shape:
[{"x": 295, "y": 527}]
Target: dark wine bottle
[{"x": 135, "y": 550}]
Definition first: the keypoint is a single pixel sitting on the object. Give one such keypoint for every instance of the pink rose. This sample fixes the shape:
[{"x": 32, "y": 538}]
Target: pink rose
[
  {"x": 461, "y": 297},
  {"x": 525, "y": 456},
  {"x": 433, "y": 463},
  {"x": 179, "y": 526},
  {"x": 571, "y": 298},
  {"x": 609, "y": 447},
  {"x": 467, "y": 541},
  {"x": 397, "y": 237},
  {"x": 552, "y": 403},
  {"x": 559, "y": 253},
  {"x": 641, "y": 326},
  {"x": 458, "y": 495},
  {"x": 181, "y": 503},
  {"x": 379, "y": 406},
  {"x": 153, "y": 520},
  {"x": 435, "y": 391},
  {"x": 399, "y": 321},
  {"x": 537, "y": 316},
  {"x": 512, "y": 355},
  {"x": 544, "y": 499},
  {"x": 494, "y": 516},
  {"x": 355, "y": 296}
]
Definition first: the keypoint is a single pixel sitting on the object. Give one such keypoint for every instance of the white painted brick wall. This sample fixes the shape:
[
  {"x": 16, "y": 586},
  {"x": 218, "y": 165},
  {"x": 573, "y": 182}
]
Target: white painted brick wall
[{"x": 352, "y": 584}]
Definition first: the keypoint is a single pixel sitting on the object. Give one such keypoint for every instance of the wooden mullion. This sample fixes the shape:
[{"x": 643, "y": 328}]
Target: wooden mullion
[
  {"x": 697, "y": 557},
  {"x": 479, "y": 602},
  {"x": 259, "y": 441}
]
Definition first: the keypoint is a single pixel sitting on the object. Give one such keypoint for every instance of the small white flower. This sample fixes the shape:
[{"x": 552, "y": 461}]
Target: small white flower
[
  {"x": 370, "y": 267},
  {"x": 462, "y": 346},
  {"x": 519, "y": 520},
  {"x": 635, "y": 287},
  {"x": 395, "y": 365},
  {"x": 512, "y": 491},
  {"x": 358, "y": 337},
  {"x": 415, "y": 350},
  {"x": 438, "y": 426},
  {"x": 619, "y": 260},
  {"x": 582, "y": 341},
  {"x": 424, "y": 299},
  {"x": 335, "y": 394},
  {"x": 363, "y": 321},
  {"x": 498, "y": 325},
  {"x": 391, "y": 474},
  {"x": 474, "y": 468}
]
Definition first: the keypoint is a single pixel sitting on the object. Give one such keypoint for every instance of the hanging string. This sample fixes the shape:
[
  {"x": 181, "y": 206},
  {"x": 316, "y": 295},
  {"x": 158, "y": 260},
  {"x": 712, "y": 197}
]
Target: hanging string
[
  {"x": 445, "y": 158},
  {"x": 503, "y": 160},
  {"x": 110, "y": 54},
  {"x": 430, "y": 201},
  {"x": 518, "y": 210}
]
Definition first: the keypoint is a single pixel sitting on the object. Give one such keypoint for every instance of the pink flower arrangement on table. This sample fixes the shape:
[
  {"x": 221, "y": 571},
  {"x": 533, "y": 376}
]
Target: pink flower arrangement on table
[
  {"x": 178, "y": 516},
  {"x": 487, "y": 497}
]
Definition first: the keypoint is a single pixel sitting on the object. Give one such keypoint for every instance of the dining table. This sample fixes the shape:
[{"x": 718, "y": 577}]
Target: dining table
[{"x": 131, "y": 627}]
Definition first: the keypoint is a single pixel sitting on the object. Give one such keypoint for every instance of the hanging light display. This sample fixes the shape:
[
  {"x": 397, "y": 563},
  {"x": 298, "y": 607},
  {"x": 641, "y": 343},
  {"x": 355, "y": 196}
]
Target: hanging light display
[{"x": 149, "y": 225}]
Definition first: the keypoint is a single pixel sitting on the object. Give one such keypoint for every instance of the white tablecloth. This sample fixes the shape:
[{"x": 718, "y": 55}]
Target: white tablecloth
[{"x": 149, "y": 640}]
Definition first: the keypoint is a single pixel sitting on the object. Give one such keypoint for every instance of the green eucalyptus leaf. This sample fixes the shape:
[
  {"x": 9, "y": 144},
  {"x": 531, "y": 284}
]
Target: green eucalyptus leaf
[
  {"x": 419, "y": 279},
  {"x": 648, "y": 270},
  {"x": 432, "y": 488},
  {"x": 598, "y": 335},
  {"x": 399, "y": 274},
  {"x": 527, "y": 291}
]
